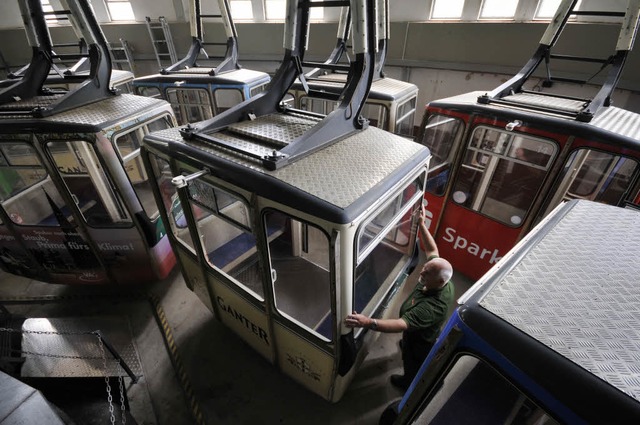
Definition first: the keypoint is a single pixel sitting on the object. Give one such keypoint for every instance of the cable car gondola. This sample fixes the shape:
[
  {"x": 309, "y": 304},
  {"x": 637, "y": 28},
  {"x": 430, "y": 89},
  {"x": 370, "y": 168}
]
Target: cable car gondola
[
  {"x": 291, "y": 220},
  {"x": 198, "y": 92},
  {"x": 76, "y": 205},
  {"x": 503, "y": 160},
  {"x": 391, "y": 103}
]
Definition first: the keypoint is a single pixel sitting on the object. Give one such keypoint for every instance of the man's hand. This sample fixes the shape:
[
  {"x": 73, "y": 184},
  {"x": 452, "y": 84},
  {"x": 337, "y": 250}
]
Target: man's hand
[{"x": 356, "y": 320}]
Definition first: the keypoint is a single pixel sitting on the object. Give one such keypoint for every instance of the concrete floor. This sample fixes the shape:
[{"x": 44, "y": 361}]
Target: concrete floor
[{"x": 213, "y": 377}]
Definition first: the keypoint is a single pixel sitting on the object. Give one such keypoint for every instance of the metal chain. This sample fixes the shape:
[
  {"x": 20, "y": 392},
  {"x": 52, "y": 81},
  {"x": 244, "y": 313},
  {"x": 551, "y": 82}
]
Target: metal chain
[
  {"x": 56, "y": 356},
  {"x": 122, "y": 406},
  {"x": 102, "y": 356},
  {"x": 45, "y": 332},
  {"x": 106, "y": 379}
]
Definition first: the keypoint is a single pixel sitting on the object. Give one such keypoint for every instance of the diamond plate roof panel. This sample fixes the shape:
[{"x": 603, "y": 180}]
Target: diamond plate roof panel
[
  {"x": 339, "y": 173},
  {"x": 576, "y": 292},
  {"x": 381, "y": 88},
  {"x": 105, "y": 111},
  {"x": 611, "y": 119},
  {"x": 570, "y": 105},
  {"x": 278, "y": 129}
]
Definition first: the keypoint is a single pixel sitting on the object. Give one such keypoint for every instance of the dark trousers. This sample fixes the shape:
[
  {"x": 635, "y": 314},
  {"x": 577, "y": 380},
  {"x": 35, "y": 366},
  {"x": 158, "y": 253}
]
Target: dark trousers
[{"x": 414, "y": 351}]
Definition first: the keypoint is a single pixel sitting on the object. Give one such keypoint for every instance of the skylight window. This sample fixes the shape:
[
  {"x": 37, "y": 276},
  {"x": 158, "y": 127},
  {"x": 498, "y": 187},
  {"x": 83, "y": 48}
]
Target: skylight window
[
  {"x": 447, "y": 9},
  {"x": 120, "y": 10},
  {"x": 241, "y": 10},
  {"x": 276, "y": 10},
  {"x": 498, "y": 9}
]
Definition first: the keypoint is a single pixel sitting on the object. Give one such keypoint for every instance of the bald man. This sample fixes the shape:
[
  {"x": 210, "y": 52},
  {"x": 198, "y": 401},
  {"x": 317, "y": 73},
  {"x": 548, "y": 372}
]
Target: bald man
[{"x": 422, "y": 313}]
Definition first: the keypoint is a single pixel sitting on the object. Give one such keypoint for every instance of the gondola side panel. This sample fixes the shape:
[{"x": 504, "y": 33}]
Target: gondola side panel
[{"x": 15, "y": 259}]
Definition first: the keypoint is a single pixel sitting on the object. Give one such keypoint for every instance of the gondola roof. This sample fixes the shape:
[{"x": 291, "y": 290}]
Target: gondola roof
[
  {"x": 337, "y": 182},
  {"x": 88, "y": 118}
]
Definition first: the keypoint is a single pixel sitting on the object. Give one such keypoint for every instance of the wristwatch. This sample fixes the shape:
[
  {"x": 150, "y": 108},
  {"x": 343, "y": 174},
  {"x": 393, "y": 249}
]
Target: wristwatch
[{"x": 374, "y": 325}]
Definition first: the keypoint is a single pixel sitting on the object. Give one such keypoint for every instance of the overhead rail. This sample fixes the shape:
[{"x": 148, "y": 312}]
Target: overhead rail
[
  {"x": 582, "y": 109},
  {"x": 28, "y": 94},
  {"x": 229, "y": 61},
  {"x": 345, "y": 120}
]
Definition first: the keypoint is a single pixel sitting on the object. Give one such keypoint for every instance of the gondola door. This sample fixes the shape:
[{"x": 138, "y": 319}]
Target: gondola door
[
  {"x": 303, "y": 321},
  {"x": 173, "y": 213},
  {"x": 497, "y": 181},
  {"x": 442, "y": 134},
  {"x": 219, "y": 218}
]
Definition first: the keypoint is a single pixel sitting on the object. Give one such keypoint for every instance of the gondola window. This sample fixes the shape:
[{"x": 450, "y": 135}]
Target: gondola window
[
  {"x": 378, "y": 115},
  {"x": 601, "y": 177},
  {"x": 27, "y": 193},
  {"x": 441, "y": 135},
  {"x": 128, "y": 145},
  {"x": 319, "y": 106},
  {"x": 149, "y": 92},
  {"x": 169, "y": 193},
  {"x": 226, "y": 98},
  {"x": 596, "y": 176},
  {"x": 226, "y": 235},
  {"x": 190, "y": 105},
  {"x": 384, "y": 244},
  {"x": 495, "y": 399},
  {"x": 502, "y": 173},
  {"x": 300, "y": 273},
  {"x": 88, "y": 184},
  {"x": 405, "y": 117}
]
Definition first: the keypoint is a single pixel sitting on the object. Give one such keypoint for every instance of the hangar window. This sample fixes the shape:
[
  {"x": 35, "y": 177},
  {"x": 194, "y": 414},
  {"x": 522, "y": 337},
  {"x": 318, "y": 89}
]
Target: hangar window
[
  {"x": 276, "y": 10},
  {"x": 546, "y": 9},
  {"x": 120, "y": 10},
  {"x": 241, "y": 10},
  {"x": 498, "y": 9},
  {"x": 447, "y": 9}
]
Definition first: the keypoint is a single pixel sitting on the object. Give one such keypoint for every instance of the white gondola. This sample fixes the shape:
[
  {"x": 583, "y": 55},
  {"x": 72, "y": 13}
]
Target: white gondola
[{"x": 291, "y": 220}]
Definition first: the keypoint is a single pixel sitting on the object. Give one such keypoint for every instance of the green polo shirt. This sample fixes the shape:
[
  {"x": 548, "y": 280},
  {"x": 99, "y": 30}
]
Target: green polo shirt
[{"x": 425, "y": 312}]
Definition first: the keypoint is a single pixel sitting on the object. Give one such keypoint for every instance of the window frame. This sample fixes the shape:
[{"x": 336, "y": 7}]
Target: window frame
[
  {"x": 331, "y": 257},
  {"x": 479, "y": 195},
  {"x": 360, "y": 256},
  {"x": 9, "y": 164},
  {"x": 438, "y": 384},
  {"x": 126, "y": 219},
  {"x": 140, "y": 130}
]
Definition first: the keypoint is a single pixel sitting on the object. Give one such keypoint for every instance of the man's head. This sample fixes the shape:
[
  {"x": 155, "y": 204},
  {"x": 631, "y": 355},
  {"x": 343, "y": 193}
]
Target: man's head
[{"x": 436, "y": 273}]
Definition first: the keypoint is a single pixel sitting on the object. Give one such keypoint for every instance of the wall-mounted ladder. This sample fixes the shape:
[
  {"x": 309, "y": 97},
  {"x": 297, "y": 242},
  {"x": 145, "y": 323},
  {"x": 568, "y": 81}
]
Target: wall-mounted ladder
[
  {"x": 122, "y": 56},
  {"x": 514, "y": 94},
  {"x": 162, "y": 41}
]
